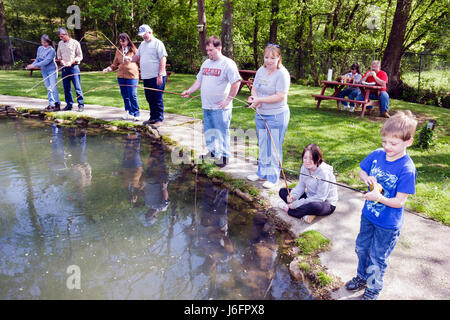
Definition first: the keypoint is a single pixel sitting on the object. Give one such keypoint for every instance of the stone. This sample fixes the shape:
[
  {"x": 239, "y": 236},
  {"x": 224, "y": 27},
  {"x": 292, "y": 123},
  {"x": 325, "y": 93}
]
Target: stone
[{"x": 295, "y": 271}]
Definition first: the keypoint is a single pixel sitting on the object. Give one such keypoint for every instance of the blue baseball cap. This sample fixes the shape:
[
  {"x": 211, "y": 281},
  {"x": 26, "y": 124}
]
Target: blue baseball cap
[{"x": 143, "y": 29}]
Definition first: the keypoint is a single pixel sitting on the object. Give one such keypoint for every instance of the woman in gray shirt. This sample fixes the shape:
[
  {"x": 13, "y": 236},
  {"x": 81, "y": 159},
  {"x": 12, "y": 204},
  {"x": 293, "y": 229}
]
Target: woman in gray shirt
[{"x": 269, "y": 97}]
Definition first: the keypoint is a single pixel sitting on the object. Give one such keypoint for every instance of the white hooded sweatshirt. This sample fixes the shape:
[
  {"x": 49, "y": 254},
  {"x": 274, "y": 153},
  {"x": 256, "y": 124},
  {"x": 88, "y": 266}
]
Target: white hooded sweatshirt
[{"x": 316, "y": 190}]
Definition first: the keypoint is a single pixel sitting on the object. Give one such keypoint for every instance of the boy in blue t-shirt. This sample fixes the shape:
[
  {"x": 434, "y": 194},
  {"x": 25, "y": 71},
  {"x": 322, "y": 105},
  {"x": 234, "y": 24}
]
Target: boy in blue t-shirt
[{"x": 382, "y": 216}]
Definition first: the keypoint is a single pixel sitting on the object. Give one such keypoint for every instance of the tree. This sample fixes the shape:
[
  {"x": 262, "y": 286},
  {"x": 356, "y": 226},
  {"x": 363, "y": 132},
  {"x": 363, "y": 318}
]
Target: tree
[
  {"x": 202, "y": 30},
  {"x": 393, "y": 52},
  {"x": 5, "y": 55},
  {"x": 412, "y": 22},
  {"x": 227, "y": 29}
]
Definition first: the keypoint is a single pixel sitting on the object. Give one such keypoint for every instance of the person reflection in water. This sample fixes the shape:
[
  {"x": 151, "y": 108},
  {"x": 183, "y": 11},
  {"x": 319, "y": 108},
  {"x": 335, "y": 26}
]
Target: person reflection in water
[
  {"x": 155, "y": 190},
  {"x": 132, "y": 166},
  {"x": 213, "y": 228},
  {"x": 259, "y": 260},
  {"x": 58, "y": 163},
  {"x": 81, "y": 171}
]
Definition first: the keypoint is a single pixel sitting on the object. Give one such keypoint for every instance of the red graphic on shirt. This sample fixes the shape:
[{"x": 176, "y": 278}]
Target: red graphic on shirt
[{"x": 211, "y": 72}]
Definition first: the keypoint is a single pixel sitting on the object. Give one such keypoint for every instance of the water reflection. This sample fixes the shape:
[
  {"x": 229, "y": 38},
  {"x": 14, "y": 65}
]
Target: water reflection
[
  {"x": 101, "y": 202},
  {"x": 132, "y": 168}
]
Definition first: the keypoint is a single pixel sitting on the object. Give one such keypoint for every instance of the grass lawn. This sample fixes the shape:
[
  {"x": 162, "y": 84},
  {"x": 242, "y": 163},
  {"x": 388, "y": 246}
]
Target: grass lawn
[{"x": 344, "y": 138}]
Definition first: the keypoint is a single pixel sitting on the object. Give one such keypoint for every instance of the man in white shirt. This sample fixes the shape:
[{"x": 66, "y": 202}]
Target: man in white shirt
[
  {"x": 152, "y": 57},
  {"x": 219, "y": 82}
]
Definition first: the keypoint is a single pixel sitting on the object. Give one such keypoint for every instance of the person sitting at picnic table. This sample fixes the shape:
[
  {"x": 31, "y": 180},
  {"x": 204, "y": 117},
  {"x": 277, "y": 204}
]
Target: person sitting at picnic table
[
  {"x": 378, "y": 77},
  {"x": 45, "y": 59},
  {"x": 311, "y": 197},
  {"x": 269, "y": 97},
  {"x": 127, "y": 76},
  {"x": 353, "y": 76}
]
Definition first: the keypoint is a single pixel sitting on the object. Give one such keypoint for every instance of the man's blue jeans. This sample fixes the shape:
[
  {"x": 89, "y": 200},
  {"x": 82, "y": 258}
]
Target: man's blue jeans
[
  {"x": 216, "y": 128},
  {"x": 374, "y": 245},
  {"x": 67, "y": 72},
  {"x": 384, "y": 99},
  {"x": 155, "y": 98},
  {"x": 352, "y": 93},
  {"x": 129, "y": 95},
  {"x": 50, "y": 80}
]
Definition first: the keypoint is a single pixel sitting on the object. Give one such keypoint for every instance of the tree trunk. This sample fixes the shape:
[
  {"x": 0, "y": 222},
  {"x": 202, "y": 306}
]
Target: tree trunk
[
  {"x": 311, "y": 53},
  {"x": 393, "y": 52},
  {"x": 274, "y": 24},
  {"x": 5, "y": 50},
  {"x": 300, "y": 69},
  {"x": 202, "y": 21},
  {"x": 255, "y": 36},
  {"x": 227, "y": 29}
]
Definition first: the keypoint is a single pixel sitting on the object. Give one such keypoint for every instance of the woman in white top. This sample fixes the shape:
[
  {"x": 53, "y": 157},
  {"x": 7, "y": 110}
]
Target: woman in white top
[
  {"x": 269, "y": 97},
  {"x": 311, "y": 197}
]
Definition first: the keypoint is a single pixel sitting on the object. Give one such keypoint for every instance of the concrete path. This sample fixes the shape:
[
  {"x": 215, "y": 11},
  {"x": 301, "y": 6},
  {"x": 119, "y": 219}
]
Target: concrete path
[{"x": 419, "y": 267}]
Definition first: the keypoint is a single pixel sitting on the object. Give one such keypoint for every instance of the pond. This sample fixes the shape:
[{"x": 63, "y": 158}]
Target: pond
[{"x": 88, "y": 214}]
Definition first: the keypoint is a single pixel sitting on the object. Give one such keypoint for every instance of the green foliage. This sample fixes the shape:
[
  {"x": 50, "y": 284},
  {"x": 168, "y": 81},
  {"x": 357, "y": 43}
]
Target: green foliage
[
  {"x": 425, "y": 139},
  {"x": 311, "y": 242},
  {"x": 323, "y": 278}
]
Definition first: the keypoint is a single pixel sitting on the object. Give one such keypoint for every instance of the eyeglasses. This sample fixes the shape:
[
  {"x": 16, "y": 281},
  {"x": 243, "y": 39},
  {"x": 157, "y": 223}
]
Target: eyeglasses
[{"x": 272, "y": 45}]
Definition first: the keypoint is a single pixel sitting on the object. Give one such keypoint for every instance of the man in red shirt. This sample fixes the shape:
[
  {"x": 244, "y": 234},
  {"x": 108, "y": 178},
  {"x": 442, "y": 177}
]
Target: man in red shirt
[{"x": 380, "y": 78}]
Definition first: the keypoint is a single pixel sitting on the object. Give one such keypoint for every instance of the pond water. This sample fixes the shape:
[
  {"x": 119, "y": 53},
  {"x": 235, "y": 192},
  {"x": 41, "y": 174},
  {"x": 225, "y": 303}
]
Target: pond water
[{"x": 95, "y": 215}]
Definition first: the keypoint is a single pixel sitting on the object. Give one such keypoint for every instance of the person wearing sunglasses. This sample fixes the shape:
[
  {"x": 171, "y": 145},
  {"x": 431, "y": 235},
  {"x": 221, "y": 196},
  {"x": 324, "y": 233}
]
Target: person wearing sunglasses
[{"x": 269, "y": 97}]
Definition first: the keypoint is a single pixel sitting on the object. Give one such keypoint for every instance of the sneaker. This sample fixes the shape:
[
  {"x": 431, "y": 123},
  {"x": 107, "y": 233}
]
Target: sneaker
[
  {"x": 80, "y": 107},
  {"x": 67, "y": 108},
  {"x": 309, "y": 219},
  {"x": 136, "y": 118},
  {"x": 156, "y": 125},
  {"x": 149, "y": 121},
  {"x": 126, "y": 116},
  {"x": 369, "y": 295},
  {"x": 269, "y": 185},
  {"x": 344, "y": 108},
  {"x": 385, "y": 115},
  {"x": 351, "y": 109},
  {"x": 355, "y": 284},
  {"x": 57, "y": 106},
  {"x": 222, "y": 163},
  {"x": 253, "y": 177},
  {"x": 283, "y": 205}
]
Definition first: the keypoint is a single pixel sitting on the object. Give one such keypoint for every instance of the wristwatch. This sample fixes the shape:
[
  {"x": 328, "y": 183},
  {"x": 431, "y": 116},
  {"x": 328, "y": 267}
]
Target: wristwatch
[{"x": 160, "y": 74}]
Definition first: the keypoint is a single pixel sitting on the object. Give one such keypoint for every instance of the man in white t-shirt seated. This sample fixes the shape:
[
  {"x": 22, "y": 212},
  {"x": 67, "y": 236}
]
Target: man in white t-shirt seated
[
  {"x": 152, "y": 57},
  {"x": 219, "y": 82}
]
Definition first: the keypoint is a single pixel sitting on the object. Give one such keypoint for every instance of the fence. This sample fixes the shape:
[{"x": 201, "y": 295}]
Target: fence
[{"x": 419, "y": 70}]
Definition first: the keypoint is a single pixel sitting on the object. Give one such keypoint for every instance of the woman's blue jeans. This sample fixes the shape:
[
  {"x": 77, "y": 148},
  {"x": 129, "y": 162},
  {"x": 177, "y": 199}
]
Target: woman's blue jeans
[
  {"x": 128, "y": 89},
  {"x": 352, "y": 93},
  {"x": 216, "y": 128},
  {"x": 268, "y": 165},
  {"x": 374, "y": 245},
  {"x": 50, "y": 80}
]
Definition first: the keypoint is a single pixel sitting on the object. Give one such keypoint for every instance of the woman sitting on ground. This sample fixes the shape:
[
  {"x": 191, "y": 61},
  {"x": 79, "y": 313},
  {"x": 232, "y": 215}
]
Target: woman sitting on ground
[{"x": 311, "y": 197}]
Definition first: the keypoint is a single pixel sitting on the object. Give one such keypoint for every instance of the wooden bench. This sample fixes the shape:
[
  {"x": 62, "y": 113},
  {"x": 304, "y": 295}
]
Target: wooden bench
[
  {"x": 32, "y": 69},
  {"x": 338, "y": 86}
]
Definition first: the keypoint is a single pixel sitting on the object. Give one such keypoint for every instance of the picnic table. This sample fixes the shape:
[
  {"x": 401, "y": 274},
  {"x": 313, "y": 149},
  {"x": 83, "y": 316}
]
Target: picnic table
[
  {"x": 366, "y": 90},
  {"x": 247, "y": 79}
]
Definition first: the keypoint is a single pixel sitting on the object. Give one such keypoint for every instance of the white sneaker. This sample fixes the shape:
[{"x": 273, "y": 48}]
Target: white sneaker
[
  {"x": 253, "y": 177},
  {"x": 352, "y": 109},
  {"x": 269, "y": 185},
  {"x": 126, "y": 116},
  {"x": 344, "y": 108},
  {"x": 283, "y": 205},
  {"x": 136, "y": 119},
  {"x": 308, "y": 219}
]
